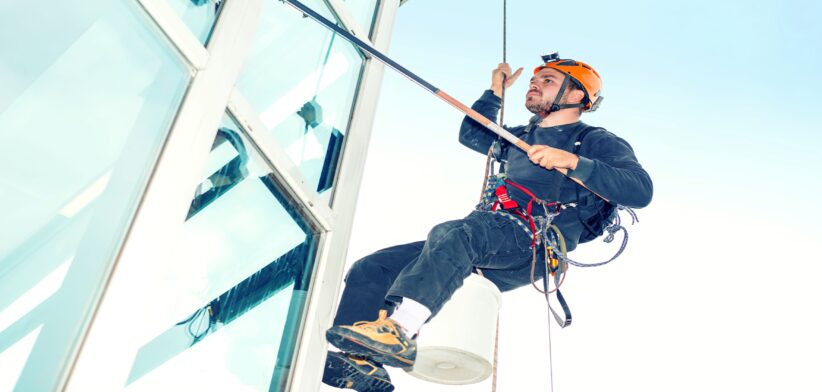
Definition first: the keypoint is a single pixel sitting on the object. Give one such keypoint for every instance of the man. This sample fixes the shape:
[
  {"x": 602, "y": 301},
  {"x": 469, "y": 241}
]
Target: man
[{"x": 418, "y": 278}]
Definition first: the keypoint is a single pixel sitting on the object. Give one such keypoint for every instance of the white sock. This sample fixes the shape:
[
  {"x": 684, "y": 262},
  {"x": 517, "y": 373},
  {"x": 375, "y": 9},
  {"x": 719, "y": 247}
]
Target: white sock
[{"x": 411, "y": 315}]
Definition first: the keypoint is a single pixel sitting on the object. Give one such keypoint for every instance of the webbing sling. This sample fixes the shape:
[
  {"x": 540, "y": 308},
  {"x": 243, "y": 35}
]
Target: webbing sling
[
  {"x": 571, "y": 145},
  {"x": 561, "y": 321}
]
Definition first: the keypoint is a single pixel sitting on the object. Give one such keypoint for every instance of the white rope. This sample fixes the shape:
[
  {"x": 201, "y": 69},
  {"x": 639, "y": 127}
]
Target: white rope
[
  {"x": 550, "y": 355},
  {"x": 545, "y": 285}
]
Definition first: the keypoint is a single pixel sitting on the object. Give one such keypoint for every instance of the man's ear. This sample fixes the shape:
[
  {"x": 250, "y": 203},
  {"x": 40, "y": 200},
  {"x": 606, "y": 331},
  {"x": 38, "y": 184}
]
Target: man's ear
[{"x": 576, "y": 96}]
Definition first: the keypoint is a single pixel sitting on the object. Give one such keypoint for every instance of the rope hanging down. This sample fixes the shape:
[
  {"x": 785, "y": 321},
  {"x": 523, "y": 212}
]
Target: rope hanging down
[
  {"x": 489, "y": 158},
  {"x": 488, "y": 172}
]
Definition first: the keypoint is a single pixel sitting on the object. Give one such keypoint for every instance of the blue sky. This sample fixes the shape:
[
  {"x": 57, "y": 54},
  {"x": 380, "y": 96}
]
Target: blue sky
[{"x": 721, "y": 102}]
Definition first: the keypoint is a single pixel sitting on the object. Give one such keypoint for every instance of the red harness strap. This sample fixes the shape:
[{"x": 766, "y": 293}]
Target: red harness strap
[
  {"x": 502, "y": 197},
  {"x": 510, "y": 205}
]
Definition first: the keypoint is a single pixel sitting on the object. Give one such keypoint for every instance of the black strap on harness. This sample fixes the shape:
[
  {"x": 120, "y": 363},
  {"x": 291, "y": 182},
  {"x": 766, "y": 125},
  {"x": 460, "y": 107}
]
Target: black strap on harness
[
  {"x": 572, "y": 144},
  {"x": 576, "y": 147}
]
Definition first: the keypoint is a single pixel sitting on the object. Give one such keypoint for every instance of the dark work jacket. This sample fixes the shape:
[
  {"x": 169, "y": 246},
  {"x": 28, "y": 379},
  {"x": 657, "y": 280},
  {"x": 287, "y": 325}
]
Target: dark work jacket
[{"x": 607, "y": 165}]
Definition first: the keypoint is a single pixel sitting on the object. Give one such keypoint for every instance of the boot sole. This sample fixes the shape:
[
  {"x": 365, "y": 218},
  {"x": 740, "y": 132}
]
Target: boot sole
[
  {"x": 356, "y": 347},
  {"x": 342, "y": 374}
]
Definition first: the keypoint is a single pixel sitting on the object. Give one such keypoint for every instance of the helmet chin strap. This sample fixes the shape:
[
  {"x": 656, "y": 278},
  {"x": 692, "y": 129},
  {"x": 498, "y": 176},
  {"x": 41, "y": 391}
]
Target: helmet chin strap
[{"x": 556, "y": 105}]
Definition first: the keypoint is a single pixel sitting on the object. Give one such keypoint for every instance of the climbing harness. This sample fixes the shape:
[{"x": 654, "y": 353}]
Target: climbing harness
[
  {"x": 496, "y": 201},
  {"x": 495, "y": 194}
]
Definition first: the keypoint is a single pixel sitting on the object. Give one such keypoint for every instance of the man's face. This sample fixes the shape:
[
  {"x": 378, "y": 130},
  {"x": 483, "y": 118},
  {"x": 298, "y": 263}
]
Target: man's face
[{"x": 543, "y": 90}]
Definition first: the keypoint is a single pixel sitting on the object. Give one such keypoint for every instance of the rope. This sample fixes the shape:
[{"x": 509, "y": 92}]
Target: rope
[
  {"x": 487, "y": 172},
  {"x": 504, "y": 58},
  {"x": 612, "y": 230},
  {"x": 550, "y": 346},
  {"x": 504, "y": 29},
  {"x": 490, "y": 153},
  {"x": 563, "y": 252},
  {"x": 496, "y": 359},
  {"x": 496, "y": 349}
]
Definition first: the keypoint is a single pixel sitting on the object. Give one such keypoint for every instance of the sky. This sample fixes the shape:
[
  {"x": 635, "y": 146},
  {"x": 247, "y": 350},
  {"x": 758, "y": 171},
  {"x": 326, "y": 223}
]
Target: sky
[{"x": 718, "y": 287}]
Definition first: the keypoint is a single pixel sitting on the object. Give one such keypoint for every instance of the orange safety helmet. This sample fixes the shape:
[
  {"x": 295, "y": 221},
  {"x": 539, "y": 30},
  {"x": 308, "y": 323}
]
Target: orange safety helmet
[{"x": 582, "y": 74}]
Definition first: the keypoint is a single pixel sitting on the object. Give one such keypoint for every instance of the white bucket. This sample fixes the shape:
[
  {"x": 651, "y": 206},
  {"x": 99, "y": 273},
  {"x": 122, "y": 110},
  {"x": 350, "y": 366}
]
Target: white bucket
[{"x": 457, "y": 346}]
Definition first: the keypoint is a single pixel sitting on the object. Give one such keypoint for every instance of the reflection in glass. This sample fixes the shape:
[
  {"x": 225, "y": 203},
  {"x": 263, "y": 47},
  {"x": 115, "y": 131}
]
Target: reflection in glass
[
  {"x": 302, "y": 79},
  {"x": 89, "y": 90},
  {"x": 238, "y": 284},
  {"x": 199, "y": 15}
]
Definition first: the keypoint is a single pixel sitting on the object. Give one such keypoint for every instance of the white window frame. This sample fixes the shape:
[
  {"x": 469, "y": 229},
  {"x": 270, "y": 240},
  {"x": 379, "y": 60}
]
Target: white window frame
[
  {"x": 327, "y": 279},
  {"x": 162, "y": 210}
]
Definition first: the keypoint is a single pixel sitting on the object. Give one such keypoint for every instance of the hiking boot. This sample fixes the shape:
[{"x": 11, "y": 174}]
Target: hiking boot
[
  {"x": 348, "y": 371},
  {"x": 381, "y": 341}
]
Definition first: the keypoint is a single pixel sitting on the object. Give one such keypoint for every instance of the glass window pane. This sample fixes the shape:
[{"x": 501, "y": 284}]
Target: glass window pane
[
  {"x": 14, "y": 358},
  {"x": 89, "y": 91},
  {"x": 364, "y": 11},
  {"x": 199, "y": 15},
  {"x": 229, "y": 305},
  {"x": 302, "y": 79}
]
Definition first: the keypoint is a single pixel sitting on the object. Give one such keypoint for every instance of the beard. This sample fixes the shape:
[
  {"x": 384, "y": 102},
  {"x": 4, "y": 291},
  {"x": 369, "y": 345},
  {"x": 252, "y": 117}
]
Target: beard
[{"x": 535, "y": 105}]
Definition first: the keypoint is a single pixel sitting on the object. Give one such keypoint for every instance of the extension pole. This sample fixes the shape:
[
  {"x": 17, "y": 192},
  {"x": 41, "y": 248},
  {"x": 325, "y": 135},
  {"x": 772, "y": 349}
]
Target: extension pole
[{"x": 492, "y": 126}]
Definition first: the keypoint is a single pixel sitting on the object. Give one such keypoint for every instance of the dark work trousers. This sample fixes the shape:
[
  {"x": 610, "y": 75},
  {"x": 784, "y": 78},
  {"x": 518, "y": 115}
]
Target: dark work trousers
[{"x": 430, "y": 271}]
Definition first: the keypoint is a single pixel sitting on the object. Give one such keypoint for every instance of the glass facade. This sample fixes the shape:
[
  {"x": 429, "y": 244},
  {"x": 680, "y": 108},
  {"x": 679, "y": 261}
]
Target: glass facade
[
  {"x": 233, "y": 284},
  {"x": 306, "y": 104},
  {"x": 199, "y": 15},
  {"x": 364, "y": 12},
  {"x": 89, "y": 94},
  {"x": 94, "y": 100}
]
